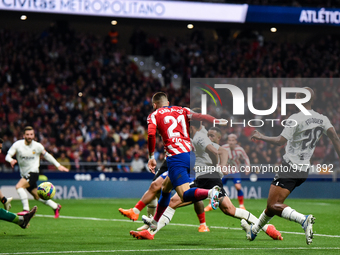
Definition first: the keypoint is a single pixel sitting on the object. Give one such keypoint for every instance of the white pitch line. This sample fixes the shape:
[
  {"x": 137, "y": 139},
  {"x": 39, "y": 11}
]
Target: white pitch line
[
  {"x": 172, "y": 224},
  {"x": 162, "y": 250}
]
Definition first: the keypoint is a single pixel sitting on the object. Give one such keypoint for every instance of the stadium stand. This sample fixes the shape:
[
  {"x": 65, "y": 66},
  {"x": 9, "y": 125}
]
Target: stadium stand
[{"x": 88, "y": 102}]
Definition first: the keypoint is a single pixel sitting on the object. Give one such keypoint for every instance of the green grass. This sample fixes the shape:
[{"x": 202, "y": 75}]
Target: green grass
[{"x": 109, "y": 236}]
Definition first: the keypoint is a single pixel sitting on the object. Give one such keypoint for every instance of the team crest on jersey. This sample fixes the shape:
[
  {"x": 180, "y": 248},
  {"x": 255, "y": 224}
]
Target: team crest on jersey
[
  {"x": 33, "y": 151},
  {"x": 289, "y": 123}
]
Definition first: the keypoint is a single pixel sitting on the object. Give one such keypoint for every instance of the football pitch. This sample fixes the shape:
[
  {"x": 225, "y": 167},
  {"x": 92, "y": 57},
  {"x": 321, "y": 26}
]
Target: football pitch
[{"x": 94, "y": 226}]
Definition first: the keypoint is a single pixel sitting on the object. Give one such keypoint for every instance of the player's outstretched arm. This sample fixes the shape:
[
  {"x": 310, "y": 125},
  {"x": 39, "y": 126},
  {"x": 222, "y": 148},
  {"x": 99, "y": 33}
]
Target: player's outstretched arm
[
  {"x": 276, "y": 140},
  {"x": 53, "y": 161},
  {"x": 335, "y": 139}
]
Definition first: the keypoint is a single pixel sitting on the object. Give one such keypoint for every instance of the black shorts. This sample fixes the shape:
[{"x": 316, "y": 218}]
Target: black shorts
[
  {"x": 289, "y": 180},
  {"x": 208, "y": 183},
  {"x": 163, "y": 169},
  {"x": 32, "y": 179}
]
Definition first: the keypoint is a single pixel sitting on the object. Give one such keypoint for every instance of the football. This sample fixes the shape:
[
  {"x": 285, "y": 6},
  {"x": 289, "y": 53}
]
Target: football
[{"x": 46, "y": 190}]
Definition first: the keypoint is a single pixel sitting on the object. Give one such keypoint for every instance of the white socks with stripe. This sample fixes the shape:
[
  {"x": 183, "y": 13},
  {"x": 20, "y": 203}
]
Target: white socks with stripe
[
  {"x": 292, "y": 215},
  {"x": 165, "y": 218},
  {"x": 24, "y": 200},
  {"x": 243, "y": 214},
  {"x": 261, "y": 222},
  {"x": 152, "y": 207}
]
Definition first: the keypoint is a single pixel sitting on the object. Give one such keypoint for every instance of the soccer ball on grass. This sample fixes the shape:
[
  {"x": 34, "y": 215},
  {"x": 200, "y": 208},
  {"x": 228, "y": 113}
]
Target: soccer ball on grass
[{"x": 46, "y": 190}]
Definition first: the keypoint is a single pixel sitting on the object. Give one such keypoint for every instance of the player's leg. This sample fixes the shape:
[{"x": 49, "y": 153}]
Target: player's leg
[
  {"x": 275, "y": 206},
  {"x": 178, "y": 168},
  {"x": 147, "y": 198},
  {"x": 282, "y": 185},
  {"x": 21, "y": 220},
  {"x": 56, "y": 207},
  {"x": 6, "y": 201},
  {"x": 169, "y": 212},
  {"x": 164, "y": 199},
  {"x": 199, "y": 209},
  {"x": 175, "y": 202},
  {"x": 228, "y": 208},
  {"x": 20, "y": 187},
  {"x": 238, "y": 187},
  {"x": 10, "y": 217},
  {"x": 163, "y": 173},
  {"x": 209, "y": 207},
  {"x": 163, "y": 203},
  {"x": 32, "y": 189}
]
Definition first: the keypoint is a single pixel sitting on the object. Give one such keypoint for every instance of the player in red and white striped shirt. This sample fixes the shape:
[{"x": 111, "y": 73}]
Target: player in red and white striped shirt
[
  {"x": 236, "y": 153},
  {"x": 172, "y": 123}
]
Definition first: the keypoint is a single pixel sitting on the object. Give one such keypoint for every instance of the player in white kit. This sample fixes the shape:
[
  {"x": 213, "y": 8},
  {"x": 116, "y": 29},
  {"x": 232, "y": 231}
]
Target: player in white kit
[
  {"x": 28, "y": 152},
  {"x": 301, "y": 134}
]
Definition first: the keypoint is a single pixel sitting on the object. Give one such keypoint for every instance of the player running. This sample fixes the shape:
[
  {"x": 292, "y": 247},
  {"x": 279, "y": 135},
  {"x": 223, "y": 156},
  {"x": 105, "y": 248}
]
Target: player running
[
  {"x": 22, "y": 221},
  {"x": 301, "y": 135},
  {"x": 236, "y": 153},
  {"x": 28, "y": 157},
  {"x": 172, "y": 122}
]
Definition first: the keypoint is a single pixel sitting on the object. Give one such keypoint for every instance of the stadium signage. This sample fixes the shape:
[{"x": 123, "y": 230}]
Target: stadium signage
[
  {"x": 171, "y": 10},
  {"x": 238, "y": 100},
  {"x": 293, "y": 15},
  {"x": 321, "y": 16}
]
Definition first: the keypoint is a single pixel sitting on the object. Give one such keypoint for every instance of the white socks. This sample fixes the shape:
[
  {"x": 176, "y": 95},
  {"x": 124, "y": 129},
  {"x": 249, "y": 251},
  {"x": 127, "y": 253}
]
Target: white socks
[
  {"x": 165, "y": 218},
  {"x": 50, "y": 203},
  {"x": 23, "y": 196},
  {"x": 24, "y": 200},
  {"x": 152, "y": 207},
  {"x": 292, "y": 215},
  {"x": 261, "y": 222},
  {"x": 243, "y": 214}
]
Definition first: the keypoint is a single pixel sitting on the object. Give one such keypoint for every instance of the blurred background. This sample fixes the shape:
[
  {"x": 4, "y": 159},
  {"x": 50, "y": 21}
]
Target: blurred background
[{"x": 84, "y": 82}]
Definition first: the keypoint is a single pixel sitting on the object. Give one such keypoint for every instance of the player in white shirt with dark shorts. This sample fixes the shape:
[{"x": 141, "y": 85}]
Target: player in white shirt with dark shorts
[
  {"x": 28, "y": 152},
  {"x": 301, "y": 135}
]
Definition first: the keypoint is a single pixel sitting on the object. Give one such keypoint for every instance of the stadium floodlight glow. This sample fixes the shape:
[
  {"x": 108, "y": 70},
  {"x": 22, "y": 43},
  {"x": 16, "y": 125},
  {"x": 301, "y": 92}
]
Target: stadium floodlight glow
[
  {"x": 23, "y": 17},
  {"x": 114, "y": 22},
  {"x": 273, "y": 29},
  {"x": 80, "y": 94},
  {"x": 190, "y": 26}
]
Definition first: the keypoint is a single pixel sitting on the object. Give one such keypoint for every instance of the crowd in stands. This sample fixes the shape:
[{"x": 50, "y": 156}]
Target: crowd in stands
[{"x": 88, "y": 102}]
